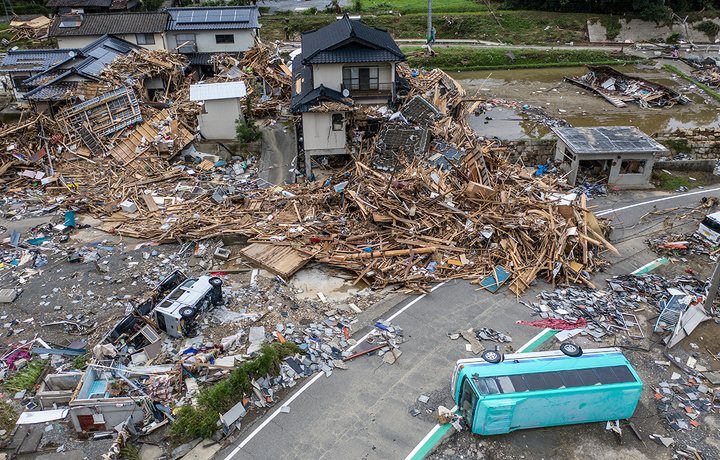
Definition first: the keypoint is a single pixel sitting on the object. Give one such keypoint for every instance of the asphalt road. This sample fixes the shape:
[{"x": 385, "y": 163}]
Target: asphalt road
[{"x": 363, "y": 412}]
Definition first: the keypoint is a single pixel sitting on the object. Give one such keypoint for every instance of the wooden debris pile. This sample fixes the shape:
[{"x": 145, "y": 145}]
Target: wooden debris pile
[
  {"x": 34, "y": 30},
  {"x": 620, "y": 89},
  {"x": 143, "y": 67}
]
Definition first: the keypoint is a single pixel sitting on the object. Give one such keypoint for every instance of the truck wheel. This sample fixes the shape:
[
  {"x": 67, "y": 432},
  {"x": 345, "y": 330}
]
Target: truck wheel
[
  {"x": 215, "y": 282},
  {"x": 492, "y": 356},
  {"x": 187, "y": 312},
  {"x": 571, "y": 349}
]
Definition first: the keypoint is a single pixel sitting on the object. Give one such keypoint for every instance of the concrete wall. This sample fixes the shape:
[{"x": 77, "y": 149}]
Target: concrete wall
[
  {"x": 318, "y": 135},
  {"x": 82, "y": 41},
  {"x": 206, "y": 43},
  {"x": 532, "y": 152},
  {"x": 219, "y": 120},
  {"x": 637, "y": 30}
]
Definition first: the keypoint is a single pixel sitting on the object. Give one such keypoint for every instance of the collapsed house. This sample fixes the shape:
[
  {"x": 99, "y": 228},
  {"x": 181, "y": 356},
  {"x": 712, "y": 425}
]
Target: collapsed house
[
  {"x": 620, "y": 89},
  {"x": 621, "y": 156}
]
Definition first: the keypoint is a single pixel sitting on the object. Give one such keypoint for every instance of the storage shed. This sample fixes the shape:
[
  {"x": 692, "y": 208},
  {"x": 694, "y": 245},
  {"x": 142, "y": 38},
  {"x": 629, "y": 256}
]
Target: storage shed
[
  {"x": 622, "y": 155},
  {"x": 221, "y": 107}
]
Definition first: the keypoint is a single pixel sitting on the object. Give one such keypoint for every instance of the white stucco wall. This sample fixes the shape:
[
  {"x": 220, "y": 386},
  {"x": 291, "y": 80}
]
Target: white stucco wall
[
  {"x": 82, "y": 41},
  {"x": 219, "y": 121},
  {"x": 331, "y": 75},
  {"x": 318, "y": 133},
  {"x": 205, "y": 39}
]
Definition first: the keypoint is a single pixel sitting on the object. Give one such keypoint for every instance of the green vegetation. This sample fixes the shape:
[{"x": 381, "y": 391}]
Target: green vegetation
[
  {"x": 702, "y": 86},
  {"x": 201, "y": 420},
  {"x": 8, "y": 417},
  {"x": 673, "y": 37},
  {"x": 612, "y": 26},
  {"x": 676, "y": 145},
  {"x": 247, "y": 131},
  {"x": 668, "y": 182},
  {"x": 420, "y": 7},
  {"x": 80, "y": 361},
  {"x": 27, "y": 7},
  {"x": 709, "y": 28},
  {"x": 25, "y": 378},
  {"x": 479, "y": 59},
  {"x": 130, "y": 452},
  {"x": 518, "y": 27}
]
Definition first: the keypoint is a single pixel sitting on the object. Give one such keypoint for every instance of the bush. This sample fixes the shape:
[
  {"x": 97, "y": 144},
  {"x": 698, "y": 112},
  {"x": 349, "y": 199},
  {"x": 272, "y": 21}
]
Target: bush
[
  {"x": 709, "y": 28},
  {"x": 201, "y": 420},
  {"x": 673, "y": 37},
  {"x": 312, "y": 11},
  {"x": 357, "y": 6},
  {"x": 247, "y": 131}
]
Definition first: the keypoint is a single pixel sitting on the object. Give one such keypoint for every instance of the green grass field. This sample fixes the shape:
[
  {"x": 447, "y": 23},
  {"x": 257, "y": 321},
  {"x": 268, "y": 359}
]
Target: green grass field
[
  {"x": 494, "y": 58},
  {"x": 420, "y": 6}
]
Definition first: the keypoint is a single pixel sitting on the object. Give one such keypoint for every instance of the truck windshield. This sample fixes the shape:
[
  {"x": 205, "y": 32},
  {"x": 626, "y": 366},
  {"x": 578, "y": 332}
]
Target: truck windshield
[
  {"x": 468, "y": 399},
  {"x": 711, "y": 223}
]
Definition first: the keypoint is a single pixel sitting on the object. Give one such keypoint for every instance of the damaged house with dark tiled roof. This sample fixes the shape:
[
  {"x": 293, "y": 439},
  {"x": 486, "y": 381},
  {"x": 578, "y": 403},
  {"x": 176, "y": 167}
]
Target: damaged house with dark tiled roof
[{"x": 342, "y": 65}]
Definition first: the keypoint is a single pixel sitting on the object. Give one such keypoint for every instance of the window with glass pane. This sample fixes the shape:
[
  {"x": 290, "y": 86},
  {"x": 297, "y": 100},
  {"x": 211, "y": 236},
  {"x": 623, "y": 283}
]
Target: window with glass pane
[
  {"x": 361, "y": 78},
  {"x": 145, "y": 39}
]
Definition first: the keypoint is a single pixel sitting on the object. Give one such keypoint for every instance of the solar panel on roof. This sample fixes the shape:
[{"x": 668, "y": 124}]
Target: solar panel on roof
[{"x": 213, "y": 16}]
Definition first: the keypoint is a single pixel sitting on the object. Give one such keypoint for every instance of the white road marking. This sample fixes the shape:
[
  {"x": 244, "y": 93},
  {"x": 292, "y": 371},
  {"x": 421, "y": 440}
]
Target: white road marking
[
  {"x": 426, "y": 438},
  {"x": 531, "y": 341},
  {"x": 672, "y": 197},
  {"x": 437, "y": 426},
  {"x": 315, "y": 379}
]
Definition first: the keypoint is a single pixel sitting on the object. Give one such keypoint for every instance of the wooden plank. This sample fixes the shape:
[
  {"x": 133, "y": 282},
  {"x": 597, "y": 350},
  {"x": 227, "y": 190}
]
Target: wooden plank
[
  {"x": 152, "y": 206},
  {"x": 280, "y": 260}
]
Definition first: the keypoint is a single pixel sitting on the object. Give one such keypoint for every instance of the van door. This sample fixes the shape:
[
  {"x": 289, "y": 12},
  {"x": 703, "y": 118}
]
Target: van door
[
  {"x": 498, "y": 416},
  {"x": 467, "y": 402}
]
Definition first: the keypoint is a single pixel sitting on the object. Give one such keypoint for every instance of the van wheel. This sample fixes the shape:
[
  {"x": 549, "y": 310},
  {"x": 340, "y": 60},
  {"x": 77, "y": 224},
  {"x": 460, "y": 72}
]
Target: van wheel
[
  {"x": 571, "y": 349},
  {"x": 187, "y": 312},
  {"x": 492, "y": 356},
  {"x": 215, "y": 282}
]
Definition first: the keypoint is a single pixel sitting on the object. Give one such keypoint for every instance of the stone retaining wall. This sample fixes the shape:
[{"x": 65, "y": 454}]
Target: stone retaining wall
[
  {"x": 532, "y": 152},
  {"x": 696, "y": 143}
]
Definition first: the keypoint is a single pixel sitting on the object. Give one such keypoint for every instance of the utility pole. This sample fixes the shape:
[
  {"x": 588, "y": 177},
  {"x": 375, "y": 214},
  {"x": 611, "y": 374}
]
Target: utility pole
[{"x": 430, "y": 37}]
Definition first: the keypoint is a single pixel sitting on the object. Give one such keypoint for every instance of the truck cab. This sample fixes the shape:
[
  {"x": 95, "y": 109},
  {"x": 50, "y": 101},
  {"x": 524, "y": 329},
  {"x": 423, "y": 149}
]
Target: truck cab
[{"x": 175, "y": 314}]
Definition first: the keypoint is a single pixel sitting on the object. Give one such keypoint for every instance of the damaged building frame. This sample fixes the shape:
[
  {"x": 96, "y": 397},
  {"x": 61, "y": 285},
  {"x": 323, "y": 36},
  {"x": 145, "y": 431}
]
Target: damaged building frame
[{"x": 622, "y": 155}]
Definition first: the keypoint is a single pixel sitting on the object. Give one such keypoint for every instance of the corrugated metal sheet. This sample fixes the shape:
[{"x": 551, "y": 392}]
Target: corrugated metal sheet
[
  {"x": 608, "y": 139},
  {"x": 214, "y": 91}
]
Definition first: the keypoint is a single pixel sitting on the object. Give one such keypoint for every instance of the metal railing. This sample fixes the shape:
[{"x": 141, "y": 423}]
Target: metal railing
[{"x": 376, "y": 90}]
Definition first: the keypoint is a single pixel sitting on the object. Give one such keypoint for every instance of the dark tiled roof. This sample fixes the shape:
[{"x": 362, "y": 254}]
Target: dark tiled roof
[
  {"x": 307, "y": 97},
  {"x": 89, "y": 62},
  {"x": 34, "y": 60},
  {"x": 79, "y": 3},
  {"x": 214, "y": 18},
  {"x": 101, "y": 24},
  {"x": 346, "y": 40}
]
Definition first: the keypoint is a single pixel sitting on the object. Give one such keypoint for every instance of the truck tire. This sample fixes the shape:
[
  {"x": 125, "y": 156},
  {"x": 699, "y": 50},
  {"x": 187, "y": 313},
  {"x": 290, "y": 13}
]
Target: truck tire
[
  {"x": 492, "y": 356},
  {"x": 571, "y": 349},
  {"x": 187, "y": 312},
  {"x": 215, "y": 282}
]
